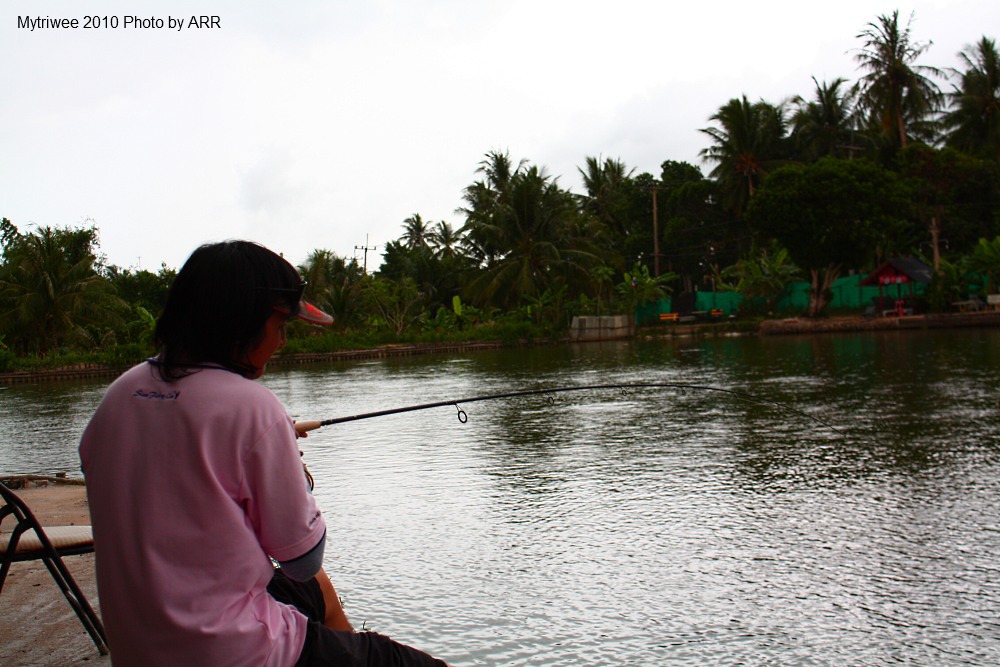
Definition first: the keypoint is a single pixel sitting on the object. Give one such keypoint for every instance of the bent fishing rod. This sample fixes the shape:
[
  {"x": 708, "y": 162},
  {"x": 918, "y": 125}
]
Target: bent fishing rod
[{"x": 622, "y": 388}]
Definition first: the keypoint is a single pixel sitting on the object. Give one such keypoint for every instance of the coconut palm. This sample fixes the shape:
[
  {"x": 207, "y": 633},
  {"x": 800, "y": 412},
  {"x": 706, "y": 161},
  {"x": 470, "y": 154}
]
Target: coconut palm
[
  {"x": 825, "y": 125},
  {"x": 607, "y": 187},
  {"x": 333, "y": 283},
  {"x": 487, "y": 207},
  {"x": 51, "y": 292},
  {"x": 973, "y": 123},
  {"x": 748, "y": 143},
  {"x": 319, "y": 270},
  {"x": 895, "y": 94},
  {"x": 520, "y": 225},
  {"x": 8, "y": 232},
  {"x": 444, "y": 240},
  {"x": 415, "y": 232}
]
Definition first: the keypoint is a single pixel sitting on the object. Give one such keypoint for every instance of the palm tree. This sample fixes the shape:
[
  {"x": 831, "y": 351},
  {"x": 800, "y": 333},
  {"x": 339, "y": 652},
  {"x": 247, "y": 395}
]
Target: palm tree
[
  {"x": 415, "y": 232},
  {"x": 50, "y": 290},
  {"x": 973, "y": 123},
  {"x": 519, "y": 225},
  {"x": 607, "y": 192},
  {"x": 500, "y": 172},
  {"x": 319, "y": 270},
  {"x": 825, "y": 125},
  {"x": 895, "y": 93},
  {"x": 487, "y": 205},
  {"x": 748, "y": 143},
  {"x": 8, "y": 232},
  {"x": 444, "y": 240},
  {"x": 333, "y": 283},
  {"x": 612, "y": 220}
]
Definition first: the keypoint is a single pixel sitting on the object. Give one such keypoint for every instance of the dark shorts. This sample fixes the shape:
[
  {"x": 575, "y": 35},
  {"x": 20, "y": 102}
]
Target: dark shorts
[{"x": 329, "y": 648}]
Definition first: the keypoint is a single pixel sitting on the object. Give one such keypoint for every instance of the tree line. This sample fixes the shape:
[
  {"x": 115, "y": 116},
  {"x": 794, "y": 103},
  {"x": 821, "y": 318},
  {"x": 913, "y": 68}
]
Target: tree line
[{"x": 903, "y": 161}]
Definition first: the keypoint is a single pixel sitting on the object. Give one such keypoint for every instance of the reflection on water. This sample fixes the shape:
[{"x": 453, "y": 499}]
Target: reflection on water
[
  {"x": 41, "y": 425},
  {"x": 656, "y": 527}
]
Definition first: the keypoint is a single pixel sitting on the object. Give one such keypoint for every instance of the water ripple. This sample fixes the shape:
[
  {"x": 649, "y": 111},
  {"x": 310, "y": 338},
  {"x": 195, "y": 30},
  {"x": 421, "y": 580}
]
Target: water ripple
[{"x": 658, "y": 527}]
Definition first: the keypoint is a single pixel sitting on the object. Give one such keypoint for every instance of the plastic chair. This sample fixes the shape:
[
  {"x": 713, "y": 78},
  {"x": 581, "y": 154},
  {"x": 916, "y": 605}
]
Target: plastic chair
[{"x": 28, "y": 540}]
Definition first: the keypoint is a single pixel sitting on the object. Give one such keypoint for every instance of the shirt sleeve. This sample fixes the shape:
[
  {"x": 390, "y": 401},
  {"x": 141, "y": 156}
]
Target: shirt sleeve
[
  {"x": 283, "y": 513},
  {"x": 306, "y": 567}
]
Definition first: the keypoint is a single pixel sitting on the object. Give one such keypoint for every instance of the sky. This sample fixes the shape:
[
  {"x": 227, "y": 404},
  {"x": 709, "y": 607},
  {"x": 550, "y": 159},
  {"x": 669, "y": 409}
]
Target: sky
[{"x": 323, "y": 124}]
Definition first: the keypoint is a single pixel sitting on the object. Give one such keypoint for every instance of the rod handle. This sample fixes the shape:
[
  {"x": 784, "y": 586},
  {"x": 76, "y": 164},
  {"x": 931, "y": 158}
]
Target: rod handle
[{"x": 307, "y": 425}]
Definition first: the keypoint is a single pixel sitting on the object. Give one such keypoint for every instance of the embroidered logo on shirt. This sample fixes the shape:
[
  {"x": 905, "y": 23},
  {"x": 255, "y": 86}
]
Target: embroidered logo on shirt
[{"x": 168, "y": 396}]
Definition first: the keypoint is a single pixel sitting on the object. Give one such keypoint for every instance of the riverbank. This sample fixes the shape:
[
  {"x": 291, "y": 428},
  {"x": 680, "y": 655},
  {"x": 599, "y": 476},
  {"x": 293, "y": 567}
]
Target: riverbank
[
  {"x": 38, "y": 628},
  {"x": 910, "y": 322},
  {"x": 825, "y": 325},
  {"x": 90, "y": 370},
  {"x": 787, "y": 326}
]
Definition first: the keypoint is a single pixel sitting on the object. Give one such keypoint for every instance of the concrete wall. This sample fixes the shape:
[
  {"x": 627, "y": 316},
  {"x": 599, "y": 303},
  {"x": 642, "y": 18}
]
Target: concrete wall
[{"x": 598, "y": 328}]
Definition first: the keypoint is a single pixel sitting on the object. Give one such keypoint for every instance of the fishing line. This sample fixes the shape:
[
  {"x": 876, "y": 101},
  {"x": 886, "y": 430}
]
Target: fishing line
[{"x": 622, "y": 388}]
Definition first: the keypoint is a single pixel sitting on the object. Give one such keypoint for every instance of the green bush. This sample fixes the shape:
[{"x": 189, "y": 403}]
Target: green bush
[{"x": 8, "y": 361}]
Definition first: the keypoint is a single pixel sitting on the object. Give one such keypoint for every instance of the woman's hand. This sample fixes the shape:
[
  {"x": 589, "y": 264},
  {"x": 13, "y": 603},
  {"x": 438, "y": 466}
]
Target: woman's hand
[{"x": 302, "y": 428}]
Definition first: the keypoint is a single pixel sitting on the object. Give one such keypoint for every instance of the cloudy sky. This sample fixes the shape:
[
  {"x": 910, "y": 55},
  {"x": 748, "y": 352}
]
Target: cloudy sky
[{"x": 325, "y": 123}]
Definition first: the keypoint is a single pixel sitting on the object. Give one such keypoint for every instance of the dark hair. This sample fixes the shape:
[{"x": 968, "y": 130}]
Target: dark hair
[{"x": 218, "y": 304}]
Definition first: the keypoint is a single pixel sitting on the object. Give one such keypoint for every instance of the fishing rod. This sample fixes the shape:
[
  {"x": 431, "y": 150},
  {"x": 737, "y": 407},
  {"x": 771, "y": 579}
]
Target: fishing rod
[{"x": 623, "y": 388}]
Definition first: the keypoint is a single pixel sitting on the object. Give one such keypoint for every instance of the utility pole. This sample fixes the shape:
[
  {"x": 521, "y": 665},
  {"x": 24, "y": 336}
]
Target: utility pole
[
  {"x": 936, "y": 241},
  {"x": 656, "y": 229},
  {"x": 365, "y": 248}
]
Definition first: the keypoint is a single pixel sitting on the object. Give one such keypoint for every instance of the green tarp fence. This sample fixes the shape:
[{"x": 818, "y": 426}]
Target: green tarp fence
[{"x": 847, "y": 294}]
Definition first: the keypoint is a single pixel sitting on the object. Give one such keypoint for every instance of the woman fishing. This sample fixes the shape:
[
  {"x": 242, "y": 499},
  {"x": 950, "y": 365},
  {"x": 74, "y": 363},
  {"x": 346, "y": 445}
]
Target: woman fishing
[{"x": 209, "y": 546}]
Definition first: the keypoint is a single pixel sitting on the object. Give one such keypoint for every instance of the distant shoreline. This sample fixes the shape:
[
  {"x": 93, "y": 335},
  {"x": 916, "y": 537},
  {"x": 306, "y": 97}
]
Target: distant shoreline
[
  {"x": 93, "y": 370},
  {"x": 910, "y": 322},
  {"x": 787, "y": 326}
]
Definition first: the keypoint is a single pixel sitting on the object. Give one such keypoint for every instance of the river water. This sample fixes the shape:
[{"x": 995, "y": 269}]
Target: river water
[{"x": 654, "y": 526}]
